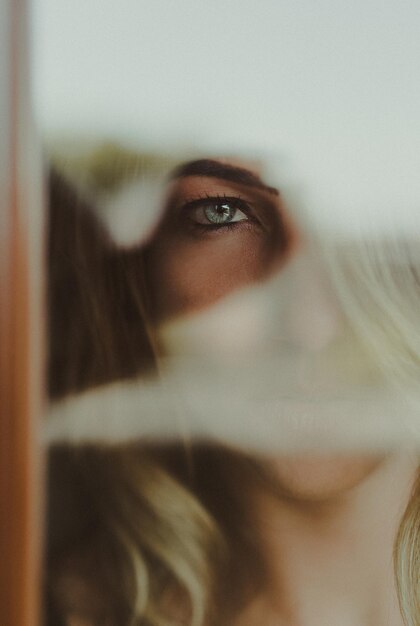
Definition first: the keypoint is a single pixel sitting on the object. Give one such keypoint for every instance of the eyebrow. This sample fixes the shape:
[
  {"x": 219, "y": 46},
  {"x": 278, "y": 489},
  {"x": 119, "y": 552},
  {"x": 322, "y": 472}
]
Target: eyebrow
[{"x": 216, "y": 169}]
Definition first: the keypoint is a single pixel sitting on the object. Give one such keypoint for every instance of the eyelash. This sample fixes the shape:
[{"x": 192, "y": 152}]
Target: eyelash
[{"x": 236, "y": 201}]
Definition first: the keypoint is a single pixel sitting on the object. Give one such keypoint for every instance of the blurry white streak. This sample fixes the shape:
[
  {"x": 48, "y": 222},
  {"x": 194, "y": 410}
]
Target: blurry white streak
[
  {"x": 246, "y": 373},
  {"x": 296, "y": 308},
  {"x": 151, "y": 412},
  {"x": 131, "y": 213}
]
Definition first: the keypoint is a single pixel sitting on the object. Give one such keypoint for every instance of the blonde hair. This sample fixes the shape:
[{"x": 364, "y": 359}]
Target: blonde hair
[
  {"x": 407, "y": 560},
  {"x": 161, "y": 544},
  {"x": 379, "y": 286}
]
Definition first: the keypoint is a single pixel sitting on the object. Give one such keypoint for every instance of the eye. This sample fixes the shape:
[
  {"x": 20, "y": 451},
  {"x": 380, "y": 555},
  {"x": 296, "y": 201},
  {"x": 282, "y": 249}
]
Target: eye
[
  {"x": 216, "y": 212},
  {"x": 219, "y": 213}
]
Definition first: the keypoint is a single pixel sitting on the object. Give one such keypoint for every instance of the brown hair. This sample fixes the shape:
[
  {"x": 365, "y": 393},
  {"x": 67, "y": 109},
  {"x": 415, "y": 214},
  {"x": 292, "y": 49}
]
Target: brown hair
[
  {"x": 98, "y": 330},
  {"x": 127, "y": 508}
]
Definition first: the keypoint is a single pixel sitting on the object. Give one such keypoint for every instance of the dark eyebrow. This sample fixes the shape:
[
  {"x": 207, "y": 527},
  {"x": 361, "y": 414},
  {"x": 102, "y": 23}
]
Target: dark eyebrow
[{"x": 216, "y": 169}]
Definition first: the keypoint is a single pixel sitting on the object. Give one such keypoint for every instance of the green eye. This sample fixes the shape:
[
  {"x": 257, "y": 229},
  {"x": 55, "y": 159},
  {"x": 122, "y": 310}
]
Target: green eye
[
  {"x": 217, "y": 212},
  {"x": 220, "y": 213},
  {"x": 213, "y": 213}
]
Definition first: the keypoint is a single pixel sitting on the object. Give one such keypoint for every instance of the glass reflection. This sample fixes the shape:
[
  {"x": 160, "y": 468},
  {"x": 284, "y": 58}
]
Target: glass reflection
[{"x": 195, "y": 533}]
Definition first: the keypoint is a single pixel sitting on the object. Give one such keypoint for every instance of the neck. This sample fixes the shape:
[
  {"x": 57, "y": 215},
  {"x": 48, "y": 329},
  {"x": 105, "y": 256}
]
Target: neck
[{"x": 330, "y": 561}]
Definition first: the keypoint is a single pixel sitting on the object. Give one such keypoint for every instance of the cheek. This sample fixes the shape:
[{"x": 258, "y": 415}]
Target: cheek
[
  {"x": 191, "y": 275},
  {"x": 316, "y": 478}
]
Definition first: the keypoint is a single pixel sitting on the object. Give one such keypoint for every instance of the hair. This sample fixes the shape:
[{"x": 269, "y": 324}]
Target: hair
[
  {"x": 91, "y": 289},
  {"x": 141, "y": 534},
  {"x": 407, "y": 560},
  {"x": 384, "y": 310},
  {"x": 122, "y": 507}
]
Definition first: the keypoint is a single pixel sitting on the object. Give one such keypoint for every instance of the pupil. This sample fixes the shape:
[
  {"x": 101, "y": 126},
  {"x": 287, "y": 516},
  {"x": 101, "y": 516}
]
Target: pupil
[{"x": 219, "y": 213}]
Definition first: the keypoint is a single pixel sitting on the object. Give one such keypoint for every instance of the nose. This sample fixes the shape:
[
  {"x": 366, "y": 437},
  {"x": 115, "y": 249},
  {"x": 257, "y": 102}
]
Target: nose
[
  {"x": 315, "y": 316},
  {"x": 304, "y": 306}
]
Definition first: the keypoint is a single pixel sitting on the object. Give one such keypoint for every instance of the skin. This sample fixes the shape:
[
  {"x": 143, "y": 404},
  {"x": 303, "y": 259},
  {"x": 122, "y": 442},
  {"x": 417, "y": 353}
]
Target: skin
[
  {"x": 326, "y": 537},
  {"x": 195, "y": 266},
  {"x": 326, "y": 528}
]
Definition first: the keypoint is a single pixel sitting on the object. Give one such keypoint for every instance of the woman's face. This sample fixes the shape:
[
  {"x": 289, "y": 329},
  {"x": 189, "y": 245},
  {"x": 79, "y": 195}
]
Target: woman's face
[{"x": 222, "y": 229}]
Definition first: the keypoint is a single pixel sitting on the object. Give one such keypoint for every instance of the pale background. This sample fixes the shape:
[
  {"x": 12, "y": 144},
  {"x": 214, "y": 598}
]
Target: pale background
[{"x": 331, "y": 88}]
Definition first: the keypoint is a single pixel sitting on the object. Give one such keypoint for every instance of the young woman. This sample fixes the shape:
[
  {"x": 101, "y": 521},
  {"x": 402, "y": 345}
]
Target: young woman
[{"x": 202, "y": 534}]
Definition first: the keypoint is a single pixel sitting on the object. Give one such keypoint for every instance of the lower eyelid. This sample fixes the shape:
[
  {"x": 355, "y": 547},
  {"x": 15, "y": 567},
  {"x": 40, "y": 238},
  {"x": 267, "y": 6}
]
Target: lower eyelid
[{"x": 219, "y": 229}]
